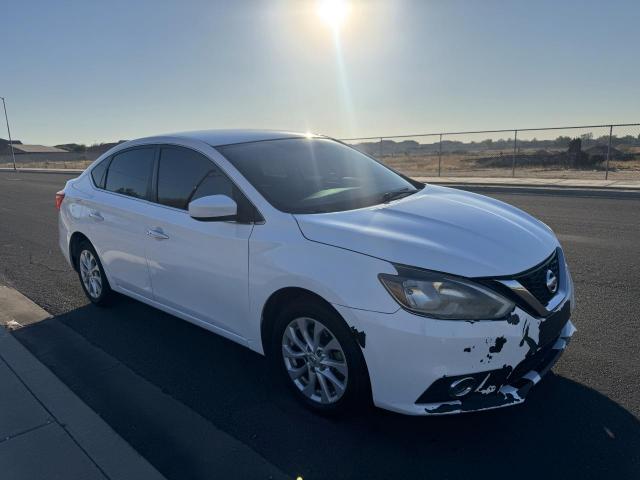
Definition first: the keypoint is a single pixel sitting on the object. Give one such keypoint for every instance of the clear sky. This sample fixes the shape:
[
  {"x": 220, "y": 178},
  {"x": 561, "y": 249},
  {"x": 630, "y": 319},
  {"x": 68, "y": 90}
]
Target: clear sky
[{"x": 89, "y": 71}]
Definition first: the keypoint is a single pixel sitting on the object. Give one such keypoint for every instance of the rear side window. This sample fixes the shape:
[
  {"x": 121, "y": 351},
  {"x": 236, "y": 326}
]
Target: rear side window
[
  {"x": 97, "y": 173},
  {"x": 130, "y": 172},
  {"x": 184, "y": 175}
]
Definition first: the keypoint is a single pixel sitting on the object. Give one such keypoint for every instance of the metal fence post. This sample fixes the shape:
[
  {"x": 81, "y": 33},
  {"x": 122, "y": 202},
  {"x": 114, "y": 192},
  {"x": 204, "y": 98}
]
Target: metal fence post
[
  {"x": 606, "y": 172},
  {"x": 515, "y": 152},
  {"x": 440, "y": 155},
  {"x": 380, "y": 147}
]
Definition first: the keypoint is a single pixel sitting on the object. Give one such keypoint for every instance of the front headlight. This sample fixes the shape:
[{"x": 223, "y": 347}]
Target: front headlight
[{"x": 445, "y": 297}]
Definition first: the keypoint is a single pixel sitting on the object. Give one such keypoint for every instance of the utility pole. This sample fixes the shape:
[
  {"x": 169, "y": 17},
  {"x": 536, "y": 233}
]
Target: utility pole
[{"x": 13, "y": 156}]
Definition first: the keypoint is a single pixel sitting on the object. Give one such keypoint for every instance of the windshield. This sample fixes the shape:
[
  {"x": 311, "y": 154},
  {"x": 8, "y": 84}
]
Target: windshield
[{"x": 315, "y": 175}]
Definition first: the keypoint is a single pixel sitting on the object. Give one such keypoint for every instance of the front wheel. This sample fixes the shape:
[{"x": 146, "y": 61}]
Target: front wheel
[
  {"x": 92, "y": 278},
  {"x": 319, "y": 358}
]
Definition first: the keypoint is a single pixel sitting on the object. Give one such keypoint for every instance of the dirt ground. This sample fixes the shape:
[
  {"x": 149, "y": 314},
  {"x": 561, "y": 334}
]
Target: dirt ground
[
  {"x": 451, "y": 165},
  {"x": 466, "y": 165}
]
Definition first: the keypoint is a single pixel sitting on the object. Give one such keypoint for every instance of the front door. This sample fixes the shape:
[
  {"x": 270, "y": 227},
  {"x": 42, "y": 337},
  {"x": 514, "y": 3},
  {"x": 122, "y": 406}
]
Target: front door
[{"x": 199, "y": 268}]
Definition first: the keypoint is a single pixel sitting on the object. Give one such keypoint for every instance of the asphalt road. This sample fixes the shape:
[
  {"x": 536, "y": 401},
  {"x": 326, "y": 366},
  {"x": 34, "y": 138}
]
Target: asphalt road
[{"x": 176, "y": 392}]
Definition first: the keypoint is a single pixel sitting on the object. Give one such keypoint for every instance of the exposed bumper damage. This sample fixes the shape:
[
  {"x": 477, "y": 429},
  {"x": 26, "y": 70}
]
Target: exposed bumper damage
[
  {"x": 491, "y": 394},
  {"x": 413, "y": 360}
]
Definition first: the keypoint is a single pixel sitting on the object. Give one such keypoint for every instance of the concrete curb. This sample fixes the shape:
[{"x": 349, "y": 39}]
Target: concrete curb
[
  {"x": 537, "y": 187},
  {"x": 17, "y": 310},
  {"x": 551, "y": 183},
  {"x": 112, "y": 456}
]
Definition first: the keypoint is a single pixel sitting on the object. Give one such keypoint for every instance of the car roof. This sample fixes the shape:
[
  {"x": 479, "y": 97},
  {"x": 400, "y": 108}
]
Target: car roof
[{"x": 226, "y": 137}]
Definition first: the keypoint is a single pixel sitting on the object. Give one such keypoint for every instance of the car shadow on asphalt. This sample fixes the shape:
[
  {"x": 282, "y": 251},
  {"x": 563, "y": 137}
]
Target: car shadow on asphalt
[{"x": 565, "y": 429}]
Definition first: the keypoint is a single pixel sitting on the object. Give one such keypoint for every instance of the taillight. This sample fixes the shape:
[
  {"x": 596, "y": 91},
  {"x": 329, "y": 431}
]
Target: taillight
[{"x": 59, "y": 198}]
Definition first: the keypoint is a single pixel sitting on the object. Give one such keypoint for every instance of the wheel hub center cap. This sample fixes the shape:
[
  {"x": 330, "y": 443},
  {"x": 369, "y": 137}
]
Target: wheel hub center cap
[{"x": 315, "y": 359}]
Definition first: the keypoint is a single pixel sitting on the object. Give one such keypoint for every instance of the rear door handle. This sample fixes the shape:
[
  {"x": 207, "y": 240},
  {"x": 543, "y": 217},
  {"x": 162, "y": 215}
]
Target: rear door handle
[
  {"x": 157, "y": 233},
  {"x": 96, "y": 215}
]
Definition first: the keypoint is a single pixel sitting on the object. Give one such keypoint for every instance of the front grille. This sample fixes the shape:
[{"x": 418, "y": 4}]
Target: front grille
[{"x": 535, "y": 280}]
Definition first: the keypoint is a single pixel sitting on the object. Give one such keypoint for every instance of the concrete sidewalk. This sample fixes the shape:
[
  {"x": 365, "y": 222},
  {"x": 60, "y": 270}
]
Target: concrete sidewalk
[
  {"x": 46, "y": 431},
  {"x": 535, "y": 182}
]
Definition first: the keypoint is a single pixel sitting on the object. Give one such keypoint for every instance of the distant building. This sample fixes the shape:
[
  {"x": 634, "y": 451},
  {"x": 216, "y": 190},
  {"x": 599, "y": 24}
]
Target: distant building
[
  {"x": 5, "y": 148},
  {"x": 21, "y": 149},
  {"x": 31, "y": 153}
]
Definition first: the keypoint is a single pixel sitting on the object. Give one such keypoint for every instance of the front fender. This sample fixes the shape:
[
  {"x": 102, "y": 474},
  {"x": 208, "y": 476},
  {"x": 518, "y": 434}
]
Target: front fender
[{"x": 339, "y": 276}]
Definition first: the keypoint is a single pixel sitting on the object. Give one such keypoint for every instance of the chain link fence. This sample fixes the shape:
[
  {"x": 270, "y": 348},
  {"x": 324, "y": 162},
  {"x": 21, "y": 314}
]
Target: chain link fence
[{"x": 585, "y": 152}]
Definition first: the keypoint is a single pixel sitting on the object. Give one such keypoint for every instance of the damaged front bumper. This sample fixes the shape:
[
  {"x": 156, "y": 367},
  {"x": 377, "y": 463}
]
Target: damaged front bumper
[
  {"x": 413, "y": 360},
  {"x": 493, "y": 393}
]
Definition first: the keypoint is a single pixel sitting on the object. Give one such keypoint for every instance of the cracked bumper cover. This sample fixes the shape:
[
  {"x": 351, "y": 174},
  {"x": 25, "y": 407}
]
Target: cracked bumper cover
[
  {"x": 407, "y": 354},
  {"x": 515, "y": 390}
]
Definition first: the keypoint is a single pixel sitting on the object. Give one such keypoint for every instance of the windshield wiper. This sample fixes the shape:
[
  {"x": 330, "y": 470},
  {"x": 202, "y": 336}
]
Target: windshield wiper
[{"x": 395, "y": 194}]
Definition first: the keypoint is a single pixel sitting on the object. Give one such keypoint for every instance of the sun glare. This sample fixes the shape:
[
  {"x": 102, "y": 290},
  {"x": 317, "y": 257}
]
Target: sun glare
[{"x": 333, "y": 12}]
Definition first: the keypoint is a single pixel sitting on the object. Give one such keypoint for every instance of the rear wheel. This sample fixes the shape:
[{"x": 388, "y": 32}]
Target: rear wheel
[
  {"x": 319, "y": 358},
  {"x": 92, "y": 278}
]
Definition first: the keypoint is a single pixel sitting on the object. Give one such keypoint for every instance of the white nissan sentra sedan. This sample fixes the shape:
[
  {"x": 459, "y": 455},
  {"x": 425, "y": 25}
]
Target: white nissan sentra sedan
[{"x": 359, "y": 283}]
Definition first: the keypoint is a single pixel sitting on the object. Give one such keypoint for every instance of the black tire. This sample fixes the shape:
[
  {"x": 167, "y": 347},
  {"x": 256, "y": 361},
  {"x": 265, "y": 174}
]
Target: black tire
[
  {"x": 357, "y": 392},
  {"x": 105, "y": 295}
]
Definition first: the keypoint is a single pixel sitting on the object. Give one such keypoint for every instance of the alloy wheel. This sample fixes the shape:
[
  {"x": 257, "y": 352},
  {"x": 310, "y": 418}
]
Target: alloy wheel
[
  {"x": 315, "y": 360},
  {"x": 90, "y": 274}
]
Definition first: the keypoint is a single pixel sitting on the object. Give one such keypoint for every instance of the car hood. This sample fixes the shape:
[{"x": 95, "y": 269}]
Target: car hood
[{"x": 439, "y": 228}]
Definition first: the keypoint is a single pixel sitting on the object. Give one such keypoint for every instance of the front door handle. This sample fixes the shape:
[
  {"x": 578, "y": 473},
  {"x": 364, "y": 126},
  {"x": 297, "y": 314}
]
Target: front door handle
[
  {"x": 96, "y": 215},
  {"x": 157, "y": 233}
]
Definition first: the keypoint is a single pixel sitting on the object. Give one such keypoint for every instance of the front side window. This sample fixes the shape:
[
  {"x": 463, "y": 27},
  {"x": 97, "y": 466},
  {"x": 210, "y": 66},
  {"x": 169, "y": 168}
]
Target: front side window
[
  {"x": 185, "y": 175},
  {"x": 316, "y": 175},
  {"x": 130, "y": 171}
]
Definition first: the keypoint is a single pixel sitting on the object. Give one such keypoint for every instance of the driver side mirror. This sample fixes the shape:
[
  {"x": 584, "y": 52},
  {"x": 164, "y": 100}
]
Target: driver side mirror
[{"x": 213, "y": 208}]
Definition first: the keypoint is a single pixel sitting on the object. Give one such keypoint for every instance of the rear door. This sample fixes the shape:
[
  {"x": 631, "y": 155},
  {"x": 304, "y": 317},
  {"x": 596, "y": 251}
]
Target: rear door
[
  {"x": 197, "y": 267},
  {"x": 118, "y": 215}
]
